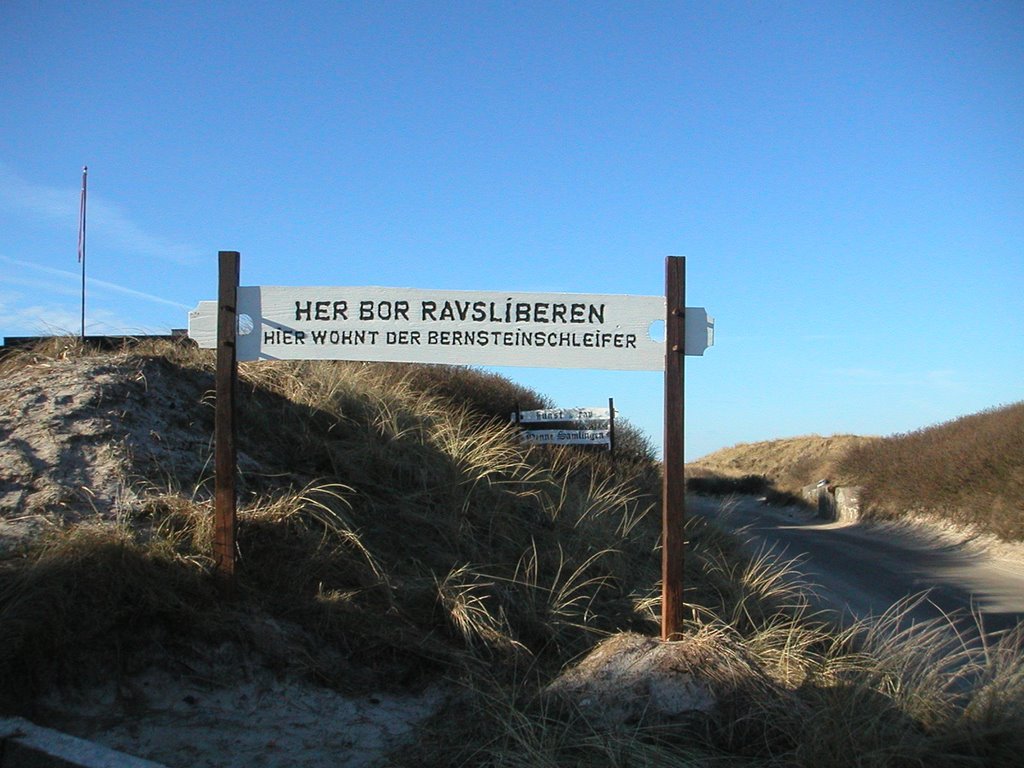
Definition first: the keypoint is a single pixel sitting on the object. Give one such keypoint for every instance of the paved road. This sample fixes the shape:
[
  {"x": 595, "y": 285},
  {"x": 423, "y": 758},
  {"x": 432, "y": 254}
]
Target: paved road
[{"x": 859, "y": 570}]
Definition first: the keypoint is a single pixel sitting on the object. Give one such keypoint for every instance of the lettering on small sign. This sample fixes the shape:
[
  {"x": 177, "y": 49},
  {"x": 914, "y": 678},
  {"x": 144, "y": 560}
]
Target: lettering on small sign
[
  {"x": 561, "y": 414},
  {"x": 566, "y": 436}
]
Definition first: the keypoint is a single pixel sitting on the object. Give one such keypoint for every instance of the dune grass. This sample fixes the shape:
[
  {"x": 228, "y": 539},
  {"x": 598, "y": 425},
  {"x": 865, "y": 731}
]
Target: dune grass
[
  {"x": 786, "y": 464},
  {"x": 392, "y": 530},
  {"x": 879, "y": 694},
  {"x": 406, "y": 529},
  {"x": 969, "y": 470}
]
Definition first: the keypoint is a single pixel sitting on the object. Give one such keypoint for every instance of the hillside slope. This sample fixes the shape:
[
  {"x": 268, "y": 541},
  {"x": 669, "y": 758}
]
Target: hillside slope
[
  {"x": 404, "y": 561},
  {"x": 969, "y": 471},
  {"x": 790, "y": 463}
]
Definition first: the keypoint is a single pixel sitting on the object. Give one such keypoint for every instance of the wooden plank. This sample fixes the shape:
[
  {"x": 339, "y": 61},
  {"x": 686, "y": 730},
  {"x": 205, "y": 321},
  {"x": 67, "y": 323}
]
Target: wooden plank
[
  {"x": 700, "y": 330},
  {"x": 673, "y": 481},
  {"x": 225, "y": 451},
  {"x": 556, "y": 330},
  {"x": 202, "y": 324},
  {"x": 415, "y": 325},
  {"x": 202, "y": 328},
  {"x": 611, "y": 426},
  {"x": 566, "y": 437},
  {"x": 563, "y": 414}
]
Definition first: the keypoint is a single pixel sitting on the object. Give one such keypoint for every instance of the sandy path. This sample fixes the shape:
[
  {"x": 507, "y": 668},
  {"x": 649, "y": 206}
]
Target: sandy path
[
  {"x": 859, "y": 569},
  {"x": 263, "y": 721}
]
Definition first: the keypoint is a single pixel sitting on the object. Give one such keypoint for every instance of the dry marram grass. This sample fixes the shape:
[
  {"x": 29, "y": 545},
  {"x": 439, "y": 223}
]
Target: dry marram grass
[{"x": 392, "y": 531}]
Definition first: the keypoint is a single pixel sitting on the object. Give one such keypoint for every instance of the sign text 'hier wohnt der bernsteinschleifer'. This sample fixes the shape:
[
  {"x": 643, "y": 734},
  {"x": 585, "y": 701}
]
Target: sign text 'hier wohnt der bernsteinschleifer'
[{"x": 557, "y": 330}]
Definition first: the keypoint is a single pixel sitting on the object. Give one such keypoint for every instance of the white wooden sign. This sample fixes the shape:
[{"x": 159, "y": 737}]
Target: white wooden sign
[
  {"x": 556, "y": 330},
  {"x": 563, "y": 414},
  {"x": 567, "y": 436}
]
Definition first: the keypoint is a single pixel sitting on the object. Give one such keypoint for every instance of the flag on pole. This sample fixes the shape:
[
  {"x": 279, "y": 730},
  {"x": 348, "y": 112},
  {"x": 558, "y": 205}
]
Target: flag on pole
[{"x": 81, "y": 218}]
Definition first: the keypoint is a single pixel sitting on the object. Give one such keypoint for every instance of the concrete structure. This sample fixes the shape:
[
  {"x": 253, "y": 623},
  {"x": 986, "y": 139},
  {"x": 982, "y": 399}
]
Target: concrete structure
[
  {"x": 26, "y": 745},
  {"x": 847, "y": 504},
  {"x": 835, "y": 503}
]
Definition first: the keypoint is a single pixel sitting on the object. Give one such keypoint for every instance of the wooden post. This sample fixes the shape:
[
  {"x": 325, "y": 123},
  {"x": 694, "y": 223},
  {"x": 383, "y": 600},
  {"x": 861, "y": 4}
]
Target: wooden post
[
  {"x": 673, "y": 481},
  {"x": 611, "y": 426},
  {"x": 225, "y": 456}
]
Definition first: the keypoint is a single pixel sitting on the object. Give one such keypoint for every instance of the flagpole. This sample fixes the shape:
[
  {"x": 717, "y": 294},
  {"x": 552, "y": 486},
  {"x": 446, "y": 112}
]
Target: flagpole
[{"x": 81, "y": 242}]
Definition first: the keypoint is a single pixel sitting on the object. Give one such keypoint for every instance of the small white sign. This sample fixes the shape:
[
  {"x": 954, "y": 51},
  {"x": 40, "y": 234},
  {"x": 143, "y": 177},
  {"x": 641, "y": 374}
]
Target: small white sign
[
  {"x": 563, "y": 414},
  {"x": 544, "y": 330},
  {"x": 566, "y": 437}
]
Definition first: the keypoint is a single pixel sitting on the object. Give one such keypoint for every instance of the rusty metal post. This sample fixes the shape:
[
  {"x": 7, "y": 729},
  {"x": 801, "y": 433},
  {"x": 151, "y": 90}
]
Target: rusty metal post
[
  {"x": 673, "y": 479},
  {"x": 225, "y": 452}
]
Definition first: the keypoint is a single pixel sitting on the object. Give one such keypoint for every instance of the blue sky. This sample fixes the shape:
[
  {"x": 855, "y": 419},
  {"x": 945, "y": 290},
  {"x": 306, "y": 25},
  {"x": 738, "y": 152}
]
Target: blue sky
[{"x": 846, "y": 180}]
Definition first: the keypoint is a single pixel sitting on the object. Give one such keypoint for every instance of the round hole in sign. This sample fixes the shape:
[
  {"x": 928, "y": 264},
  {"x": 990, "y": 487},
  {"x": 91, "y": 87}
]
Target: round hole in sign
[
  {"x": 656, "y": 331},
  {"x": 245, "y": 325}
]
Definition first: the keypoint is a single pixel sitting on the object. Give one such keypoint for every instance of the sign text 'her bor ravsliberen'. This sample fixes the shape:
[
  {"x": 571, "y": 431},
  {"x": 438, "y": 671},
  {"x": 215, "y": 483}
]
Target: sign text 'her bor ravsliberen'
[{"x": 461, "y": 327}]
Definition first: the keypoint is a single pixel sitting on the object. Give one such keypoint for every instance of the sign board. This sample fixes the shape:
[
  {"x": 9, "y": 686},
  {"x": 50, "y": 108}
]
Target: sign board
[
  {"x": 557, "y": 330},
  {"x": 566, "y": 437},
  {"x": 576, "y": 434},
  {"x": 562, "y": 414}
]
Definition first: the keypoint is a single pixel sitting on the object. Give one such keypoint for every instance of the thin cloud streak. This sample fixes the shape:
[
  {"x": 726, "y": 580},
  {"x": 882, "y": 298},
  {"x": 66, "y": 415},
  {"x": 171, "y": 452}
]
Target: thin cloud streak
[
  {"x": 54, "y": 320},
  {"x": 64, "y": 274},
  {"x": 41, "y": 285},
  {"x": 107, "y": 221},
  {"x": 41, "y": 319}
]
